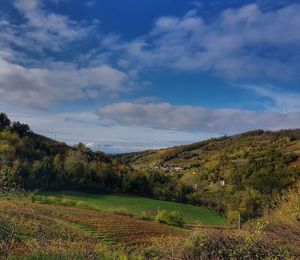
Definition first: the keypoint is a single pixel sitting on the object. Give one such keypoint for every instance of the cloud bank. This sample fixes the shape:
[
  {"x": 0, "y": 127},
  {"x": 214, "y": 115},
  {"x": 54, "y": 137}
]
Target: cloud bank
[
  {"x": 42, "y": 87},
  {"x": 191, "y": 118}
]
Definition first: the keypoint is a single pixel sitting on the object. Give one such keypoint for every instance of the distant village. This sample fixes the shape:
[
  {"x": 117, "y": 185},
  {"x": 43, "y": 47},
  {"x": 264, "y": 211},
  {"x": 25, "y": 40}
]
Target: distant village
[
  {"x": 176, "y": 169},
  {"x": 169, "y": 169}
]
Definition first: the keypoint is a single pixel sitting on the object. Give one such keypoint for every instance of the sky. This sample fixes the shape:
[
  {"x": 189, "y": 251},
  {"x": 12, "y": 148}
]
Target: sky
[{"x": 129, "y": 75}]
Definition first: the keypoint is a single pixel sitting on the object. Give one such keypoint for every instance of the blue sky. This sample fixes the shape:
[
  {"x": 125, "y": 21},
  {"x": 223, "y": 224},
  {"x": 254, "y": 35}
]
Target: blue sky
[{"x": 129, "y": 75}]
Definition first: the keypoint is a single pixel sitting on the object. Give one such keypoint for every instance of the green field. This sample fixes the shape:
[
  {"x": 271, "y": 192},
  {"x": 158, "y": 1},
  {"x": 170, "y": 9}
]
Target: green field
[{"x": 137, "y": 205}]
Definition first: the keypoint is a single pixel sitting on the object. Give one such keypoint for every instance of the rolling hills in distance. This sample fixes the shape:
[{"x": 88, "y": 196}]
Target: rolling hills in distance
[{"x": 53, "y": 193}]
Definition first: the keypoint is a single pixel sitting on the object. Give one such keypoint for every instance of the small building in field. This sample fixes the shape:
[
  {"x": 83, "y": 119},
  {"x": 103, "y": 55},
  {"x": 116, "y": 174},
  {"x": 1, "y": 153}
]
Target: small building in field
[{"x": 222, "y": 182}]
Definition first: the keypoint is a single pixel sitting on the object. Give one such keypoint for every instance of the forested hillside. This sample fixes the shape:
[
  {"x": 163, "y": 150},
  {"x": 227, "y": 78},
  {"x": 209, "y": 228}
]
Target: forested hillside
[
  {"x": 238, "y": 174},
  {"x": 36, "y": 162}
]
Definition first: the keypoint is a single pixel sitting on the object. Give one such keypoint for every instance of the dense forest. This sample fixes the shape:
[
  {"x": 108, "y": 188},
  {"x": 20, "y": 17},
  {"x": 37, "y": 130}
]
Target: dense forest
[{"x": 239, "y": 174}]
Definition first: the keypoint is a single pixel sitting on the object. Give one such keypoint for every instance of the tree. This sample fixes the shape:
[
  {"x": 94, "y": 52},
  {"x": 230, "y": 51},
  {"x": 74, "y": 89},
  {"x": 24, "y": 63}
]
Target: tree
[
  {"x": 20, "y": 128},
  {"x": 4, "y": 121},
  {"x": 42, "y": 174}
]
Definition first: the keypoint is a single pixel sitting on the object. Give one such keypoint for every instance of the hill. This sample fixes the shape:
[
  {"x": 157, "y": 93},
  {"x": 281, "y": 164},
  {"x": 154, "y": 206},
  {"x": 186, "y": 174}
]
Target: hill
[
  {"x": 201, "y": 153},
  {"x": 237, "y": 174},
  {"x": 32, "y": 161}
]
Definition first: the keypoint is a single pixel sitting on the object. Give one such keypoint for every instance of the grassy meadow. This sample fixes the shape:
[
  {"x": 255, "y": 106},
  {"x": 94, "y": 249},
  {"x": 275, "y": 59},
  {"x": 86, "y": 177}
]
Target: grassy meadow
[{"x": 132, "y": 205}]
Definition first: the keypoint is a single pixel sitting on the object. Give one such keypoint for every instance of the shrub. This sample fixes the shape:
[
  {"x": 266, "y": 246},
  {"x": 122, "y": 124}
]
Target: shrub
[
  {"x": 83, "y": 205},
  {"x": 172, "y": 218},
  {"x": 66, "y": 202},
  {"x": 45, "y": 199},
  {"x": 232, "y": 217},
  {"x": 52, "y": 200},
  {"x": 145, "y": 215},
  {"x": 41, "y": 199}
]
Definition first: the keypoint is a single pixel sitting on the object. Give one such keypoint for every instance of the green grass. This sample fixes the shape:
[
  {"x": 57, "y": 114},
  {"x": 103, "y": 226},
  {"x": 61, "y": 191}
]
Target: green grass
[{"x": 137, "y": 205}]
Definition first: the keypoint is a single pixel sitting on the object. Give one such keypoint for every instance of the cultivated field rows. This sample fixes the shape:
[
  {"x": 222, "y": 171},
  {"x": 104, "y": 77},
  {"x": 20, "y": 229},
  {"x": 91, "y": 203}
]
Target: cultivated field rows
[{"x": 49, "y": 228}]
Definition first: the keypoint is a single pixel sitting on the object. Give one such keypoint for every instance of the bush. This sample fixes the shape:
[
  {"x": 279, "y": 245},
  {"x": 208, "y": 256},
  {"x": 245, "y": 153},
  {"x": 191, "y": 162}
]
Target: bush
[
  {"x": 172, "y": 218},
  {"x": 232, "y": 218},
  {"x": 41, "y": 199},
  {"x": 66, "y": 202},
  {"x": 45, "y": 199},
  {"x": 145, "y": 215},
  {"x": 83, "y": 205},
  {"x": 52, "y": 200}
]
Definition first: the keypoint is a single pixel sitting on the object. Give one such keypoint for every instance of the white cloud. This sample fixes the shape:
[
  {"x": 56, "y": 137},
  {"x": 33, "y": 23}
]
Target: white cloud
[
  {"x": 191, "y": 118},
  {"x": 40, "y": 32},
  {"x": 44, "y": 26},
  {"x": 242, "y": 43},
  {"x": 42, "y": 87},
  {"x": 90, "y": 145},
  {"x": 30, "y": 76},
  {"x": 73, "y": 127},
  {"x": 234, "y": 45},
  {"x": 283, "y": 101}
]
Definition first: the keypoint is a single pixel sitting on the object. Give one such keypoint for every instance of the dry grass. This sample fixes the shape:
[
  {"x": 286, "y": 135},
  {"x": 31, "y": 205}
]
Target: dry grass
[
  {"x": 49, "y": 230},
  {"x": 284, "y": 222}
]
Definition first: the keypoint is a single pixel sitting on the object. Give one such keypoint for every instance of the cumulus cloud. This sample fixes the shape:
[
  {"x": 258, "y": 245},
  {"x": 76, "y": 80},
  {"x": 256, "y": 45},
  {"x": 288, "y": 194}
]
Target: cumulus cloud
[
  {"x": 40, "y": 30},
  {"x": 241, "y": 43},
  {"x": 41, "y": 87},
  {"x": 191, "y": 118},
  {"x": 46, "y": 29},
  {"x": 32, "y": 77}
]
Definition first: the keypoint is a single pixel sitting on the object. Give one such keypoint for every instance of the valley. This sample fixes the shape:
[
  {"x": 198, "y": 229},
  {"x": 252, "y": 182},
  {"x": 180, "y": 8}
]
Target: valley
[{"x": 223, "y": 198}]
